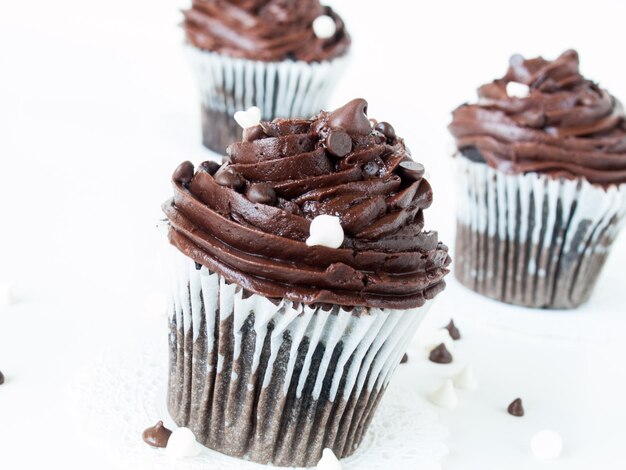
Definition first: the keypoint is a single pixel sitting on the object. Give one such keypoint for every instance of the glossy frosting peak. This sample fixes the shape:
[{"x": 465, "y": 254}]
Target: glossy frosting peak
[
  {"x": 249, "y": 219},
  {"x": 266, "y": 30},
  {"x": 564, "y": 125}
]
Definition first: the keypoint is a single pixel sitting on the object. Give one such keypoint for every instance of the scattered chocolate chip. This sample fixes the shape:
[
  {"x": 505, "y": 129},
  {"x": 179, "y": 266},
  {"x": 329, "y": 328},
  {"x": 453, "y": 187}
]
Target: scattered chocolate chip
[
  {"x": 405, "y": 359},
  {"x": 516, "y": 408},
  {"x": 1, "y": 378},
  {"x": 198, "y": 266},
  {"x": 338, "y": 143},
  {"x": 210, "y": 167},
  {"x": 184, "y": 173},
  {"x": 440, "y": 355},
  {"x": 229, "y": 178},
  {"x": 371, "y": 168},
  {"x": 413, "y": 170},
  {"x": 352, "y": 118},
  {"x": 455, "y": 334},
  {"x": 262, "y": 193},
  {"x": 157, "y": 435},
  {"x": 254, "y": 133},
  {"x": 387, "y": 130}
]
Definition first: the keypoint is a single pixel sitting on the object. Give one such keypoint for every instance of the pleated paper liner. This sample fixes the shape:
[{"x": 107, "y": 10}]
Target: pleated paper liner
[
  {"x": 276, "y": 383},
  {"x": 533, "y": 240},
  {"x": 288, "y": 89}
]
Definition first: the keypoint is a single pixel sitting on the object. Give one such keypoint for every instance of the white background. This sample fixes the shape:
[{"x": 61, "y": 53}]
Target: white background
[{"x": 97, "y": 108}]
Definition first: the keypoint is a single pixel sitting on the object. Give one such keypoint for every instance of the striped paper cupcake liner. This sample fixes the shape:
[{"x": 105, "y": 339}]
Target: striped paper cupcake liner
[
  {"x": 273, "y": 381},
  {"x": 530, "y": 239},
  {"x": 288, "y": 89}
]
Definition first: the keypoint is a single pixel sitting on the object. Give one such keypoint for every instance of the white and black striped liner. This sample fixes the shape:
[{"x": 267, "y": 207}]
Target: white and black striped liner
[
  {"x": 280, "y": 89},
  {"x": 277, "y": 382},
  {"x": 531, "y": 239}
]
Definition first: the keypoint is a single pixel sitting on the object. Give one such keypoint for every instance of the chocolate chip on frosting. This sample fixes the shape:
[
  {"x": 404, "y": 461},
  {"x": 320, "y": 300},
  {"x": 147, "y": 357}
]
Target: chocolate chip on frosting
[
  {"x": 413, "y": 170},
  {"x": 455, "y": 334},
  {"x": 440, "y": 355},
  {"x": 387, "y": 130},
  {"x": 338, "y": 143},
  {"x": 184, "y": 173},
  {"x": 209, "y": 167},
  {"x": 254, "y": 133},
  {"x": 352, "y": 118},
  {"x": 230, "y": 179},
  {"x": 516, "y": 408},
  {"x": 261, "y": 193},
  {"x": 157, "y": 435}
]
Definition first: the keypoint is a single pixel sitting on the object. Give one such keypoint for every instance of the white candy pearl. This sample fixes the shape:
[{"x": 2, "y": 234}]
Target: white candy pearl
[
  {"x": 547, "y": 445},
  {"x": 182, "y": 444},
  {"x": 445, "y": 396},
  {"x": 7, "y": 296},
  {"x": 465, "y": 379},
  {"x": 155, "y": 304},
  {"x": 517, "y": 90},
  {"x": 326, "y": 231},
  {"x": 248, "y": 118},
  {"x": 328, "y": 461},
  {"x": 324, "y": 27}
]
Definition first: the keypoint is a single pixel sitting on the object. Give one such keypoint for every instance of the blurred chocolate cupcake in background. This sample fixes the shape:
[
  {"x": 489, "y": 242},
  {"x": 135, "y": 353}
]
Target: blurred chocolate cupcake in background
[
  {"x": 280, "y": 56},
  {"x": 541, "y": 184}
]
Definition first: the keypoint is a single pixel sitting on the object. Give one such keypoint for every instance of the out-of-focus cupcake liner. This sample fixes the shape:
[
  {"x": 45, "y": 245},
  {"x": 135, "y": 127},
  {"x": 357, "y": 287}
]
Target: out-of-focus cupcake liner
[
  {"x": 531, "y": 239},
  {"x": 277, "y": 382},
  {"x": 288, "y": 89}
]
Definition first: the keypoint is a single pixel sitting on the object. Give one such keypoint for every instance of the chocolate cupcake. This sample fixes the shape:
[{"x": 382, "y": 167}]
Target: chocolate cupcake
[
  {"x": 303, "y": 270},
  {"x": 541, "y": 184},
  {"x": 282, "y": 57}
]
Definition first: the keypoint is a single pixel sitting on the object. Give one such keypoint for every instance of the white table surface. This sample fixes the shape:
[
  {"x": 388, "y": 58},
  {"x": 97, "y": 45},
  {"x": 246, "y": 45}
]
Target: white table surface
[{"x": 97, "y": 107}]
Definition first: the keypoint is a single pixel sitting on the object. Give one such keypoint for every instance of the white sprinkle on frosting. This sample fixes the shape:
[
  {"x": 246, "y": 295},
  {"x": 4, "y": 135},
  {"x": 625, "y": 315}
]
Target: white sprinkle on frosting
[
  {"x": 249, "y": 118},
  {"x": 324, "y": 27},
  {"x": 326, "y": 231},
  {"x": 517, "y": 90}
]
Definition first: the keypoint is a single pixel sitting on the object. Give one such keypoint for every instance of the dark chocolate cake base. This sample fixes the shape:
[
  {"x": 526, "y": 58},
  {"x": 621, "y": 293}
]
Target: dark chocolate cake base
[
  {"x": 533, "y": 240},
  {"x": 277, "y": 384}
]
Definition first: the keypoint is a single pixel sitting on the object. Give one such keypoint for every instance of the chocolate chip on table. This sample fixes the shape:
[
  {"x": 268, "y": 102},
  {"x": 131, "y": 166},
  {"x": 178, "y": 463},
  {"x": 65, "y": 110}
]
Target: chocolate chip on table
[
  {"x": 516, "y": 408},
  {"x": 230, "y": 179},
  {"x": 184, "y": 173},
  {"x": 254, "y": 133},
  {"x": 387, "y": 130},
  {"x": 157, "y": 435},
  {"x": 338, "y": 143},
  {"x": 262, "y": 193},
  {"x": 210, "y": 167},
  {"x": 455, "y": 334},
  {"x": 1, "y": 378},
  {"x": 413, "y": 170},
  {"x": 440, "y": 355},
  {"x": 405, "y": 359}
]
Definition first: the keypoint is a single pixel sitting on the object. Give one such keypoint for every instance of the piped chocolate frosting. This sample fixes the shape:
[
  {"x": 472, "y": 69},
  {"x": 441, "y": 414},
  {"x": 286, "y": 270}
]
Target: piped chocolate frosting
[
  {"x": 266, "y": 30},
  {"x": 565, "y": 126},
  {"x": 249, "y": 219}
]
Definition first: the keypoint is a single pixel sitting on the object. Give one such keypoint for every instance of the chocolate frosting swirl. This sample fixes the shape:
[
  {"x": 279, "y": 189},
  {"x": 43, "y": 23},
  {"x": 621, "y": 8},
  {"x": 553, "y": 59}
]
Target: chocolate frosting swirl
[
  {"x": 248, "y": 219},
  {"x": 266, "y": 30},
  {"x": 566, "y": 126}
]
